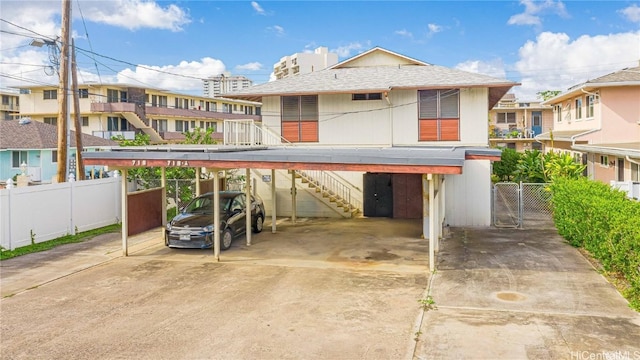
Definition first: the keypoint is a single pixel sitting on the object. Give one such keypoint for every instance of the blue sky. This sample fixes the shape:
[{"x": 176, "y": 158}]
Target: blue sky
[{"x": 542, "y": 44}]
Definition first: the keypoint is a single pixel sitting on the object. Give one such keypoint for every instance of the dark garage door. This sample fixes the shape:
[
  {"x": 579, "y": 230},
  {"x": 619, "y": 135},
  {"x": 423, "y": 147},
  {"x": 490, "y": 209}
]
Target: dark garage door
[{"x": 393, "y": 195}]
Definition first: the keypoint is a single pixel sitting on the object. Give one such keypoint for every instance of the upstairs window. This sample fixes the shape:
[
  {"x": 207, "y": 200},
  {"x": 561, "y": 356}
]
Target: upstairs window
[
  {"x": 578, "y": 108},
  {"x": 369, "y": 96},
  {"x": 83, "y": 93},
  {"x": 51, "y": 121},
  {"x": 439, "y": 115},
  {"x": 558, "y": 112},
  {"x": 506, "y": 118},
  {"x": 300, "y": 118},
  {"x": 50, "y": 94},
  {"x": 589, "y": 106}
]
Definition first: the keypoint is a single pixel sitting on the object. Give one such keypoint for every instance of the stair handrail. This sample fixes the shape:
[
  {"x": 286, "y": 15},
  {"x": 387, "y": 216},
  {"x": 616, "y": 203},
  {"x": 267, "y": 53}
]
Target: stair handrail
[{"x": 332, "y": 185}]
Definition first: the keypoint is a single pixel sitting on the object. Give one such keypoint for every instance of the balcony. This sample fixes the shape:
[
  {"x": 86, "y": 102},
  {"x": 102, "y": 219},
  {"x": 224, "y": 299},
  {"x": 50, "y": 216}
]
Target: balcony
[
  {"x": 512, "y": 133},
  {"x": 128, "y": 135},
  {"x": 160, "y": 111}
]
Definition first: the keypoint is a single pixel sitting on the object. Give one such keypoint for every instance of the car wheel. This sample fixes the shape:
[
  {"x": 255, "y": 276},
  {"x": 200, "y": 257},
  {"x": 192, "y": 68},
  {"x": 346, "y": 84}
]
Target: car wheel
[
  {"x": 257, "y": 227},
  {"x": 227, "y": 237}
]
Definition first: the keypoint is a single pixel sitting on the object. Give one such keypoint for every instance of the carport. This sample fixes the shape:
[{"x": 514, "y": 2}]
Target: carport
[{"x": 432, "y": 163}]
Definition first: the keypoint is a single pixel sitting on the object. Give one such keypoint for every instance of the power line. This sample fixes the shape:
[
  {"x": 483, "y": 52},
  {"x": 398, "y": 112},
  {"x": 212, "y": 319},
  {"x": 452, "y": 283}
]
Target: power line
[
  {"x": 86, "y": 32},
  {"x": 29, "y": 30}
]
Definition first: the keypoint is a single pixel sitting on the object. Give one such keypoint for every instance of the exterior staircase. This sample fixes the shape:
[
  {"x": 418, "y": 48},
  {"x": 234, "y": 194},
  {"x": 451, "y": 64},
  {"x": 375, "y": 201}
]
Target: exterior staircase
[
  {"x": 327, "y": 186},
  {"x": 330, "y": 189}
]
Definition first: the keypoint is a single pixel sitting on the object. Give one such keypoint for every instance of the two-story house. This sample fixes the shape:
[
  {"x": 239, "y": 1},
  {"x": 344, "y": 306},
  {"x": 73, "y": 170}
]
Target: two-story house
[
  {"x": 381, "y": 99},
  {"x": 598, "y": 122},
  {"x": 108, "y": 110},
  {"x": 514, "y": 123}
]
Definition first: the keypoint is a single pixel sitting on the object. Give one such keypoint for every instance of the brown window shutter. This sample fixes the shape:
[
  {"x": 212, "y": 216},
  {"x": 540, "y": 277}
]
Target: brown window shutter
[
  {"x": 449, "y": 129},
  {"x": 291, "y": 131},
  {"x": 428, "y": 130},
  {"x": 309, "y": 131}
]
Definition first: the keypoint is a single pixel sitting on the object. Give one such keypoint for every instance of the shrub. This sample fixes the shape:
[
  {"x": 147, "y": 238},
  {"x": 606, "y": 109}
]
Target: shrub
[{"x": 603, "y": 221}]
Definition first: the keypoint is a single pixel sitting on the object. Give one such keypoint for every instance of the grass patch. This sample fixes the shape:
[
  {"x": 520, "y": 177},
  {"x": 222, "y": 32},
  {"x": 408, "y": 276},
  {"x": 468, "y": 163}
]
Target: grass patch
[{"x": 67, "y": 239}]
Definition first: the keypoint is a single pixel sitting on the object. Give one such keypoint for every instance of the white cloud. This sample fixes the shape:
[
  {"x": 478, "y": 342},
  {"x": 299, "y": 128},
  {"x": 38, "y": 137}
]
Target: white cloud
[
  {"x": 434, "y": 28},
  {"x": 253, "y": 66},
  {"x": 257, "y": 8},
  {"x": 493, "y": 68},
  {"x": 404, "y": 33},
  {"x": 631, "y": 13},
  {"x": 136, "y": 14},
  {"x": 279, "y": 30},
  {"x": 554, "y": 61},
  {"x": 163, "y": 76},
  {"x": 533, "y": 10},
  {"x": 347, "y": 50}
]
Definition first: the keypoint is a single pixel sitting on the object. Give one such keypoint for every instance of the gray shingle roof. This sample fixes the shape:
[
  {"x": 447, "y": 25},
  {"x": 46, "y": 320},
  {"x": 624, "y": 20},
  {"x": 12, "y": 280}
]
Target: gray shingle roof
[
  {"x": 624, "y": 75},
  {"x": 38, "y": 135},
  {"x": 375, "y": 78}
]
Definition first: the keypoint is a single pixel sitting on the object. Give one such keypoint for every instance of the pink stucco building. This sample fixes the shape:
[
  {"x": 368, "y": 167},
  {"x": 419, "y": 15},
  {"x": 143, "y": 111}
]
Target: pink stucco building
[{"x": 599, "y": 123}]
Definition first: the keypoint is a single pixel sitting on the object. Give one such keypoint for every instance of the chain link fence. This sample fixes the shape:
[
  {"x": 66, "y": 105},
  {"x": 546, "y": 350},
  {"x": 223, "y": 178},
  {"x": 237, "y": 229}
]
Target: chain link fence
[
  {"x": 522, "y": 205},
  {"x": 506, "y": 205},
  {"x": 535, "y": 206}
]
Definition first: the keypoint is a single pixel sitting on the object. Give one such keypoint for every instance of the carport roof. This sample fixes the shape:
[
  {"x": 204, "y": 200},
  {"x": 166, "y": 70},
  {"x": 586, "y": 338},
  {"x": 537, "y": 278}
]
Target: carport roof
[{"x": 420, "y": 160}]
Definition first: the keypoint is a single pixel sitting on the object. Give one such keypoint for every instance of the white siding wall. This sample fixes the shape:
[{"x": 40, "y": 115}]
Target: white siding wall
[
  {"x": 347, "y": 122},
  {"x": 271, "y": 113},
  {"x": 365, "y": 122},
  {"x": 474, "y": 117},
  {"x": 468, "y": 197}
]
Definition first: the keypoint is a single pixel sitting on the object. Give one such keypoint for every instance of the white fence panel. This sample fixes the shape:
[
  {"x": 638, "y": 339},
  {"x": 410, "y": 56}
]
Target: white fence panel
[
  {"x": 96, "y": 203},
  {"x": 632, "y": 188},
  {"x": 45, "y": 212}
]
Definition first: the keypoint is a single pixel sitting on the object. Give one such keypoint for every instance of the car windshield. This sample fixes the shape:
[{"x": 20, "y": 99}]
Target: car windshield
[{"x": 203, "y": 205}]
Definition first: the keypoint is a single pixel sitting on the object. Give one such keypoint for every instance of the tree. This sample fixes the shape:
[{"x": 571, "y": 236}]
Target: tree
[
  {"x": 547, "y": 94},
  {"x": 505, "y": 168},
  {"x": 530, "y": 167}
]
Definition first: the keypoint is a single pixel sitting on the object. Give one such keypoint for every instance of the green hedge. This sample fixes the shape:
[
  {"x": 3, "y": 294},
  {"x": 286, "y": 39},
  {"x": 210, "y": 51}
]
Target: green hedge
[{"x": 603, "y": 221}]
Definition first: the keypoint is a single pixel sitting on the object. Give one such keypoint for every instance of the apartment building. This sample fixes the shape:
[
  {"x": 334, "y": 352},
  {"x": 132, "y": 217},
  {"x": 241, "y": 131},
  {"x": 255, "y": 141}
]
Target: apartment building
[
  {"x": 598, "y": 122},
  {"x": 108, "y": 110},
  {"x": 225, "y": 82},
  {"x": 305, "y": 62},
  {"x": 10, "y": 107},
  {"x": 514, "y": 123}
]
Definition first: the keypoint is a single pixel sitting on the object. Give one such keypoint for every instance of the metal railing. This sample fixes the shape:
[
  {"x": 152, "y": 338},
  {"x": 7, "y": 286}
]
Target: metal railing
[
  {"x": 332, "y": 187},
  {"x": 248, "y": 133}
]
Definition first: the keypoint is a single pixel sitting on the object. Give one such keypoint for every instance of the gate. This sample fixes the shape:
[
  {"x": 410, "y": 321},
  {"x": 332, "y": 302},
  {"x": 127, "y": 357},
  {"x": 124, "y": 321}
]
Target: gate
[{"x": 522, "y": 205}]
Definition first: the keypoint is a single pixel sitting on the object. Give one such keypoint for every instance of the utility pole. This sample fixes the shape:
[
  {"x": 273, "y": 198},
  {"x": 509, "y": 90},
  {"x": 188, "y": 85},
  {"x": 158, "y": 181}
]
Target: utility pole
[
  {"x": 63, "y": 102},
  {"x": 76, "y": 111}
]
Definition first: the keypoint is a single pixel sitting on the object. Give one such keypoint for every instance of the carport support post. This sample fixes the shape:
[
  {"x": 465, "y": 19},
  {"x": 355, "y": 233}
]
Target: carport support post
[
  {"x": 293, "y": 196},
  {"x": 163, "y": 184},
  {"x": 198, "y": 191},
  {"x": 216, "y": 214},
  {"x": 248, "y": 205},
  {"x": 125, "y": 214},
  {"x": 273, "y": 201},
  {"x": 432, "y": 222},
  {"x": 436, "y": 211}
]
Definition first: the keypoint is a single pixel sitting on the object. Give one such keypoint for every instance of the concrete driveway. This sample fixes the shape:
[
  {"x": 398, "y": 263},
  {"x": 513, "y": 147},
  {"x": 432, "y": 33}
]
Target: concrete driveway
[{"x": 315, "y": 290}]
